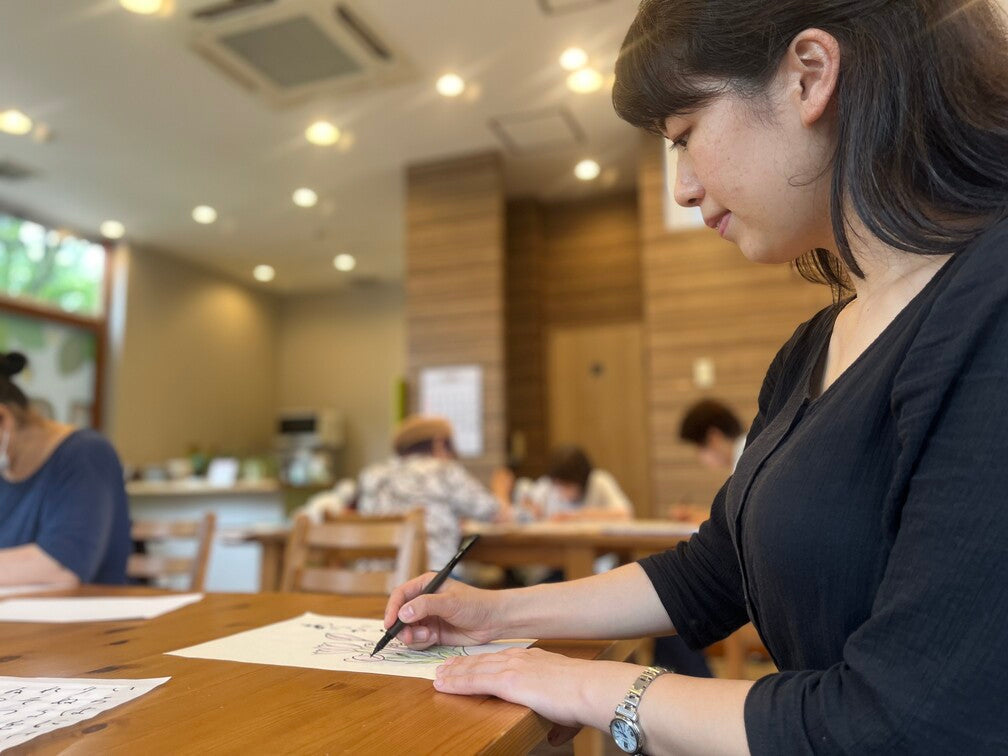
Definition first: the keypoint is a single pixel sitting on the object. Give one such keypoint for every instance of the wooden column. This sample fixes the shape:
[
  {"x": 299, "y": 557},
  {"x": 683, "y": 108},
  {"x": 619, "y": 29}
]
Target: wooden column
[{"x": 454, "y": 282}]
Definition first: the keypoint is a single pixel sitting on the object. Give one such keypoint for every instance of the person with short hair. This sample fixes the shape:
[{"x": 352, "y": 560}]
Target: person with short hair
[
  {"x": 716, "y": 432},
  {"x": 425, "y": 472},
  {"x": 64, "y": 517},
  {"x": 864, "y": 530},
  {"x": 574, "y": 489}
]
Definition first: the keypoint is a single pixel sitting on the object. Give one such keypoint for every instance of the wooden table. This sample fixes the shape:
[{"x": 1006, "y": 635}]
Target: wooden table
[
  {"x": 272, "y": 539},
  {"x": 570, "y": 546},
  {"x": 573, "y": 546},
  {"x": 227, "y": 707}
]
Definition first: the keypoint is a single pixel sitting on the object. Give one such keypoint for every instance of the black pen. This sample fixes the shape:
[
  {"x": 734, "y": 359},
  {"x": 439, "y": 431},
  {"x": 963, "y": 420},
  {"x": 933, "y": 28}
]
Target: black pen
[{"x": 432, "y": 586}]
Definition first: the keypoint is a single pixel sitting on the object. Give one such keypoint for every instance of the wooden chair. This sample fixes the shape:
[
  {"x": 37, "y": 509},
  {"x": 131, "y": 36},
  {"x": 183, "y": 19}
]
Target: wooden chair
[
  {"x": 162, "y": 565},
  {"x": 332, "y": 556}
]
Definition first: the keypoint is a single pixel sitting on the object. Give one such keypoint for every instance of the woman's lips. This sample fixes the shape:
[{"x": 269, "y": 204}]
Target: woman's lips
[{"x": 722, "y": 226}]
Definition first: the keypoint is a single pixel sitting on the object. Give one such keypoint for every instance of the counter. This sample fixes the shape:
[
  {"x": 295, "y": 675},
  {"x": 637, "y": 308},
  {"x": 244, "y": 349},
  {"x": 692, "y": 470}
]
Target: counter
[{"x": 234, "y": 566}]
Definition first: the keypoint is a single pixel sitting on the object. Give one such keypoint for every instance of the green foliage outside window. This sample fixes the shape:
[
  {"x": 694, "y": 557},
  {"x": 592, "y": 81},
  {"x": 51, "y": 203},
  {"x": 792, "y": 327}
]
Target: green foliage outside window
[{"x": 51, "y": 268}]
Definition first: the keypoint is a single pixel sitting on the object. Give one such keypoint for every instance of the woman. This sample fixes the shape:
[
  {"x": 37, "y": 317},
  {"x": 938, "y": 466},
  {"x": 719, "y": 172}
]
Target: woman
[
  {"x": 864, "y": 531},
  {"x": 64, "y": 518},
  {"x": 574, "y": 489}
]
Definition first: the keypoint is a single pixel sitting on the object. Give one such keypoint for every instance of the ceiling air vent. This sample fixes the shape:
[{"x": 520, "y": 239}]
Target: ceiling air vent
[
  {"x": 537, "y": 131},
  {"x": 556, "y": 7},
  {"x": 10, "y": 171},
  {"x": 296, "y": 50}
]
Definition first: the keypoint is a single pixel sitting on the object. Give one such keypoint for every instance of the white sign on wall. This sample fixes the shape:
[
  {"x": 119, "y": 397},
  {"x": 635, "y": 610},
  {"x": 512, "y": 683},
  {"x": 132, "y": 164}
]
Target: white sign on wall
[{"x": 456, "y": 393}]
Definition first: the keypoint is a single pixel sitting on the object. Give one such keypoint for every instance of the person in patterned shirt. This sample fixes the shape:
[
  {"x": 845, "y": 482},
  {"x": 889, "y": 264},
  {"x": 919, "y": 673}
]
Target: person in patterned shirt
[{"x": 425, "y": 472}]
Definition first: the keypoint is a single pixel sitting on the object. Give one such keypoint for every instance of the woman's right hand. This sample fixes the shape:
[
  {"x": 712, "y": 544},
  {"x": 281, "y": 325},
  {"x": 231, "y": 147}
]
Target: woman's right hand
[{"x": 457, "y": 615}]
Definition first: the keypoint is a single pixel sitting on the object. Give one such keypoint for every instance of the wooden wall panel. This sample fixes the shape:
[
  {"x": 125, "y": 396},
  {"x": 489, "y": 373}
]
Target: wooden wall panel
[
  {"x": 455, "y": 282},
  {"x": 703, "y": 299},
  {"x": 525, "y": 336},
  {"x": 593, "y": 272},
  {"x": 569, "y": 264}
]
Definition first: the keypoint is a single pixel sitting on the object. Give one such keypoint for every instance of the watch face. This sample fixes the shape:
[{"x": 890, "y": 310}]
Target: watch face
[{"x": 625, "y": 735}]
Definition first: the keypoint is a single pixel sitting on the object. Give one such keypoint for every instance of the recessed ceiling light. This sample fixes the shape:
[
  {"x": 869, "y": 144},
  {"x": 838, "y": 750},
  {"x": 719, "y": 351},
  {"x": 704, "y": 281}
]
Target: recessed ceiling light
[
  {"x": 304, "y": 197},
  {"x": 450, "y": 85},
  {"x": 143, "y": 7},
  {"x": 264, "y": 273},
  {"x": 587, "y": 170},
  {"x": 112, "y": 229},
  {"x": 585, "y": 81},
  {"x": 573, "y": 58},
  {"x": 15, "y": 122},
  {"x": 344, "y": 262},
  {"x": 204, "y": 214},
  {"x": 322, "y": 133}
]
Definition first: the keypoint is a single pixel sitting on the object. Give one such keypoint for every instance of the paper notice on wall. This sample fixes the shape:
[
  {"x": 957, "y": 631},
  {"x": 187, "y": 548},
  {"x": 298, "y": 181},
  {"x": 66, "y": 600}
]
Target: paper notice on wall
[{"x": 456, "y": 393}]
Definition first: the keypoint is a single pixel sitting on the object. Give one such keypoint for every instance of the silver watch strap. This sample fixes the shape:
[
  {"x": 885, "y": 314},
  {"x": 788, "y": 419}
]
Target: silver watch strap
[{"x": 628, "y": 707}]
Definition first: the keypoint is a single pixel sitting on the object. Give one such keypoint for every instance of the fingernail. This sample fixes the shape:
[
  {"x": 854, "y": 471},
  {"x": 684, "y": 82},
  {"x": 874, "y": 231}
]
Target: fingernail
[
  {"x": 407, "y": 613},
  {"x": 420, "y": 634}
]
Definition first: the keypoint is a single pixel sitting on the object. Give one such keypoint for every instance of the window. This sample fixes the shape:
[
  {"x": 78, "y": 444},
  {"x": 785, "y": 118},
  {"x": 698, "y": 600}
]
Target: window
[
  {"x": 52, "y": 309},
  {"x": 51, "y": 268}
]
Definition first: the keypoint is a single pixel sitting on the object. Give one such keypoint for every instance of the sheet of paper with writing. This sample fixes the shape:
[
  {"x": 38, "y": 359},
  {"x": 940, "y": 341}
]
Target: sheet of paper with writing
[
  {"x": 337, "y": 643},
  {"x": 14, "y": 590},
  {"x": 32, "y": 706},
  {"x": 92, "y": 608}
]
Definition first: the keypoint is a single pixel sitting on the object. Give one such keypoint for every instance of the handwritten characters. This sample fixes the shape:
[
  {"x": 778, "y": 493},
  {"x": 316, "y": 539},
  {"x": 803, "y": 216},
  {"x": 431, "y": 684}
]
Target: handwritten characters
[{"x": 32, "y": 706}]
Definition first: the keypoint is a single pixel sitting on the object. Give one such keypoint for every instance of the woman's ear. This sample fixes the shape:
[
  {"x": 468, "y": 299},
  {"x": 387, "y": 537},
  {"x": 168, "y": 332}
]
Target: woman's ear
[
  {"x": 7, "y": 419},
  {"x": 812, "y": 69}
]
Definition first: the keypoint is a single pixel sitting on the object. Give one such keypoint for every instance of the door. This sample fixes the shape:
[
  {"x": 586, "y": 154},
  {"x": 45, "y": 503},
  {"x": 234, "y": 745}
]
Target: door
[{"x": 596, "y": 400}]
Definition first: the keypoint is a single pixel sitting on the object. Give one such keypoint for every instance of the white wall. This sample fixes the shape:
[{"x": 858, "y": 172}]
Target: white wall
[
  {"x": 192, "y": 361},
  {"x": 345, "y": 350}
]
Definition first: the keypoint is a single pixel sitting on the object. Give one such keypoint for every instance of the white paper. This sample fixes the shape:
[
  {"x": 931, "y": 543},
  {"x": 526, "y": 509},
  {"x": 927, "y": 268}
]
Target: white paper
[
  {"x": 341, "y": 644},
  {"x": 456, "y": 393},
  {"x": 14, "y": 590},
  {"x": 92, "y": 608},
  {"x": 33, "y": 706}
]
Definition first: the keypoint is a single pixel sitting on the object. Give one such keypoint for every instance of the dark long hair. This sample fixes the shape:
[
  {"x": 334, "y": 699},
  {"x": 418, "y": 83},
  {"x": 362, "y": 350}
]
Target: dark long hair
[
  {"x": 922, "y": 104},
  {"x": 12, "y": 363}
]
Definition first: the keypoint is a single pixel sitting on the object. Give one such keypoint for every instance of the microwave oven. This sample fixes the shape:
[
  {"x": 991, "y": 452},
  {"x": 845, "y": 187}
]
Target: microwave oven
[{"x": 310, "y": 428}]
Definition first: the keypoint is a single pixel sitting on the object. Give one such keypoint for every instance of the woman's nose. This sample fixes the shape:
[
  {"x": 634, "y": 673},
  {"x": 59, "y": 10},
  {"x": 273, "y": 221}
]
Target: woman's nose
[{"x": 688, "y": 191}]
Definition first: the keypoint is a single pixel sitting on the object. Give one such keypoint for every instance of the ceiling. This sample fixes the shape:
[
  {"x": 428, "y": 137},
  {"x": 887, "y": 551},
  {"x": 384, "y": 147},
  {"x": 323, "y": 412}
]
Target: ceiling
[{"x": 143, "y": 129}]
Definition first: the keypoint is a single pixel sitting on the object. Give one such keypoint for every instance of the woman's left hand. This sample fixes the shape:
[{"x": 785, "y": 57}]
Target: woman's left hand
[{"x": 570, "y": 692}]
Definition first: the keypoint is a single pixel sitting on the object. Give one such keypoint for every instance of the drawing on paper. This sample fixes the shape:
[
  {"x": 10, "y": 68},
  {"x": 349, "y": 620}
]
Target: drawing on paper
[
  {"x": 356, "y": 642},
  {"x": 341, "y": 644}
]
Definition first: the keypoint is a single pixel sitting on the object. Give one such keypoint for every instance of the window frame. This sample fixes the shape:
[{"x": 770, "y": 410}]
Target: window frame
[{"x": 97, "y": 324}]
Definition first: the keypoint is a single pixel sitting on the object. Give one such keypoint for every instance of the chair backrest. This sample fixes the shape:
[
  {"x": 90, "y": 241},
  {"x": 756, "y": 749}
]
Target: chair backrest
[
  {"x": 155, "y": 566},
  {"x": 335, "y": 556}
]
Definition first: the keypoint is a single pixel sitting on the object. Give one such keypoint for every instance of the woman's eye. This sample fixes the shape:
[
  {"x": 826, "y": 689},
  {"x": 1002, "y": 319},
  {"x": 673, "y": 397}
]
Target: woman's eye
[{"x": 679, "y": 143}]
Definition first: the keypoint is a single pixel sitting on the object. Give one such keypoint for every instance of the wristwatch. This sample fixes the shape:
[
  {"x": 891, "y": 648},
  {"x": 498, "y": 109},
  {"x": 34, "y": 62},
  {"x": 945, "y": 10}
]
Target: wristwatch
[{"x": 624, "y": 728}]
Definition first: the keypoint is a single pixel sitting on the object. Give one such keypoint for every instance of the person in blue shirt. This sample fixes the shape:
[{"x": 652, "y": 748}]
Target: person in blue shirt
[{"x": 64, "y": 517}]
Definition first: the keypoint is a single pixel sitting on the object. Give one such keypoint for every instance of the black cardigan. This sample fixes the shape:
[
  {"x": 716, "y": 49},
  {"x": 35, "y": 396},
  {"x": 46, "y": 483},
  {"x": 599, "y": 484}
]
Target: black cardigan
[{"x": 865, "y": 533}]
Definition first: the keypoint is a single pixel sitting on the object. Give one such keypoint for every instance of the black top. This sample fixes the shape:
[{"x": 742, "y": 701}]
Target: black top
[
  {"x": 865, "y": 532},
  {"x": 74, "y": 507}
]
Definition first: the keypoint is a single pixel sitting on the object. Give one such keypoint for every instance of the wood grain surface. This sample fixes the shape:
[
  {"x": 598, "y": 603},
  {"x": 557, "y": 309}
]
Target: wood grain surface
[{"x": 228, "y": 707}]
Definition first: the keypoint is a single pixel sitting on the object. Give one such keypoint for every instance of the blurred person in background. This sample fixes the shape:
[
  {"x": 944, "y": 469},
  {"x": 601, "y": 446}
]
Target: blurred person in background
[
  {"x": 64, "y": 517},
  {"x": 425, "y": 472},
  {"x": 716, "y": 432}
]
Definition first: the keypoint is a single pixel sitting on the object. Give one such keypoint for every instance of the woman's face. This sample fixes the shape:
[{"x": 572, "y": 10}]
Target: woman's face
[{"x": 756, "y": 175}]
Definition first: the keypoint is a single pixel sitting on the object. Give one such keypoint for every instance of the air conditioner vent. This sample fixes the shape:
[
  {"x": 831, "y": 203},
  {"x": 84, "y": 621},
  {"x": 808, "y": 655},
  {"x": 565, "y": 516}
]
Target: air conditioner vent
[
  {"x": 220, "y": 10},
  {"x": 297, "y": 50},
  {"x": 556, "y": 7},
  {"x": 293, "y": 52},
  {"x": 11, "y": 171}
]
